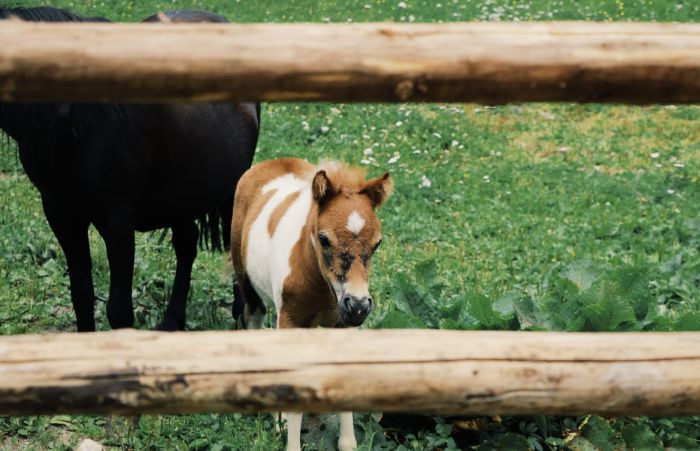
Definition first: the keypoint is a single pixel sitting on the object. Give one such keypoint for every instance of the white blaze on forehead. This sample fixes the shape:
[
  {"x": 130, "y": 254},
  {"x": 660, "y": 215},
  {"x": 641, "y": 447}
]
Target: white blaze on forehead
[{"x": 355, "y": 223}]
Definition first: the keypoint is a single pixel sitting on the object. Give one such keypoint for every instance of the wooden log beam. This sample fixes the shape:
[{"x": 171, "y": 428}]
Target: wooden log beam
[
  {"x": 446, "y": 372},
  {"x": 491, "y": 63}
]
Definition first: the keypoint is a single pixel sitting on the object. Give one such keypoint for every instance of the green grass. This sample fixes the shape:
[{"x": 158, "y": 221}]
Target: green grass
[{"x": 537, "y": 216}]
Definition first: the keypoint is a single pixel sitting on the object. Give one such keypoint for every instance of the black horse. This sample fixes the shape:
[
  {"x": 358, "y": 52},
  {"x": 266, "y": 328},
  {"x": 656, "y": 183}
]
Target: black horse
[{"x": 126, "y": 168}]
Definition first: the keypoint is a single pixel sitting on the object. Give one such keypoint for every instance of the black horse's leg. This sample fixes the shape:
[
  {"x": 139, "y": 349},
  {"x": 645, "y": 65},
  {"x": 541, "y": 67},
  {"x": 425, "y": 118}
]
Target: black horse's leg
[
  {"x": 118, "y": 234},
  {"x": 185, "y": 237},
  {"x": 71, "y": 230}
]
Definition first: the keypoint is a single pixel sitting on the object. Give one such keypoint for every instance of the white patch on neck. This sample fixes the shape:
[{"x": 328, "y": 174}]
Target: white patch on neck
[{"x": 355, "y": 223}]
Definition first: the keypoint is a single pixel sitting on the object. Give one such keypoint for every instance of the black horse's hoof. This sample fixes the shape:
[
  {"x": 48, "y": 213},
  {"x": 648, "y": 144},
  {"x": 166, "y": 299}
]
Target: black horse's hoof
[{"x": 170, "y": 325}]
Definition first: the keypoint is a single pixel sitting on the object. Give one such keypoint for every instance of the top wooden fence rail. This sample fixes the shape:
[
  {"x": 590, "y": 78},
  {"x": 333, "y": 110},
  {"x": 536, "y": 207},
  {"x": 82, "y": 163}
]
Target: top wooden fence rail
[{"x": 638, "y": 63}]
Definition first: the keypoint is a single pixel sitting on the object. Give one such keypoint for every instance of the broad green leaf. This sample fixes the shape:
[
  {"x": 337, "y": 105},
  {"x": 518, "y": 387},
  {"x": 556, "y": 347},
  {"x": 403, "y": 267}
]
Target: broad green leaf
[
  {"x": 419, "y": 302},
  {"x": 514, "y": 442},
  {"x": 525, "y": 313},
  {"x": 601, "y": 434},
  {"x": 61, "y": 420},
  {"x": 581, "y": 274},
  {"x": 673, "y": 264},
  {"x": 481, "y": 308},
  {"x": 640, "y": 437},
  {"x": 580, "y": 443},
  {"x": 688, "y": 322},
  {"x": 427, "y": 271},
  {"x": 681, "y": 443},
  {"x": 505, "y": 305},
  {"x": 396, "y": 319},
  {"x": 608, "y": 314}
]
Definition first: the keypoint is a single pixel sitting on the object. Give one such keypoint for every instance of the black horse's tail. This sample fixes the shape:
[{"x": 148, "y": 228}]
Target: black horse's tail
[{"x": 215, "y": 227}]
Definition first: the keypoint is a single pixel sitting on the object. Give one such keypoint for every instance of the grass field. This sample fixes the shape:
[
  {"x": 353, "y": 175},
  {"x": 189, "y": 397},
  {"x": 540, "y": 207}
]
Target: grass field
[{"x": 533, "y": 216}]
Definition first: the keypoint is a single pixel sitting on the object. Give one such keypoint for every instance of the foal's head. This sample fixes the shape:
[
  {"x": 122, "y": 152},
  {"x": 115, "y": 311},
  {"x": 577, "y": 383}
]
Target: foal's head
[{"x": 345, "y": 234}]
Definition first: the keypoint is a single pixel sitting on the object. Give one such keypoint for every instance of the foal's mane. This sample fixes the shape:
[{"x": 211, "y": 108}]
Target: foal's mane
[{"x": 345, "y": 179}]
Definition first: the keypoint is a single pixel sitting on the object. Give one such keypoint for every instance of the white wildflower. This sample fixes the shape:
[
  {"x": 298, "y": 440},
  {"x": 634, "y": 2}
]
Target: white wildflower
[
  {"x": 563, "y": 149},
  {"x": 324, "y": 129},
  {"x": 394, "y": 158},
  {"x": 655, "y": 155},
  {"x": 670, "y": 191},
  {"x": 305, "y": 126},
  {"x": 425, "y": 182},
  {"x": 678, "y": 165},
  {"x": 403, "y": 5},
  {"x": 368, "y": 151}
]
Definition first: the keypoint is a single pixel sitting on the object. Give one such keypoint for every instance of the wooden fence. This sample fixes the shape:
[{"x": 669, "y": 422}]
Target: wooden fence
[
  {"x": 330, "y": 370},
  {"x": 462, "y": 62},
  {"x": 335, "y": 370}
]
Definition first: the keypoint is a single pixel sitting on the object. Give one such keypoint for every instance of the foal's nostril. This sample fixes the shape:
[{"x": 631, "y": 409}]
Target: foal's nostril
[
  {"x": 369, "y": 302},
  {"x": 346, "y": 303}
]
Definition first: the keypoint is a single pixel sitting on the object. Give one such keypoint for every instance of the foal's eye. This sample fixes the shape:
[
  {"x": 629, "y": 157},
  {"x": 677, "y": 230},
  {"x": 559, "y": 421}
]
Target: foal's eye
[{"x": 323, "y": 239}]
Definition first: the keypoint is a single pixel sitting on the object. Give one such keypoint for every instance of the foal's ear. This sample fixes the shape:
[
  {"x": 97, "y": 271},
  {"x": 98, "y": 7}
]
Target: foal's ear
[
  {"x": 378, "y": 189},
  {"x": 321, "y": 186}
]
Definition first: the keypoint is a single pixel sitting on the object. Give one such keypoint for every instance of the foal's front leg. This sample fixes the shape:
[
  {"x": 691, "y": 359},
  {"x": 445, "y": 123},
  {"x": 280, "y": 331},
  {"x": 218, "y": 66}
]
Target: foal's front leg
[
  {"x": 293, "y": 418},
  {"x": 347, "y": 441}
]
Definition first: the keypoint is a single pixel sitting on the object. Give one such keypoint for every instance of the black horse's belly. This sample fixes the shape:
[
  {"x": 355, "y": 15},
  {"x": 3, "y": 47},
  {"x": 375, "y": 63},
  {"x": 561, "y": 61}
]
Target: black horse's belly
[
  {"x": 164, "y": 164},
  {"x": 195, "y": 165}
]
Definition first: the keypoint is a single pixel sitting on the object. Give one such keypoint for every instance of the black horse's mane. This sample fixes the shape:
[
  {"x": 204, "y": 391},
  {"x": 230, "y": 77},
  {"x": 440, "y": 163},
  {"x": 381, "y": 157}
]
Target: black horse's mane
[
  {"x": 44, "y": 14},
  {"x": 57, "y": 120},
  {"x": 72, "y": 122}
]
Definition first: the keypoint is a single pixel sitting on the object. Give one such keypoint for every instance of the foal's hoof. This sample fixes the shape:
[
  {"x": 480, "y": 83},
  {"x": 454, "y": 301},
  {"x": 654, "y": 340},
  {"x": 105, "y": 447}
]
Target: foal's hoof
[{"x": 347, "y": 443}]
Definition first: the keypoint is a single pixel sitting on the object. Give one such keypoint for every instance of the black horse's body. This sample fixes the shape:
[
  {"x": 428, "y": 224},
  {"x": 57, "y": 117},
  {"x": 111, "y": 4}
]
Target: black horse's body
[{"x": 126, "y": 168}]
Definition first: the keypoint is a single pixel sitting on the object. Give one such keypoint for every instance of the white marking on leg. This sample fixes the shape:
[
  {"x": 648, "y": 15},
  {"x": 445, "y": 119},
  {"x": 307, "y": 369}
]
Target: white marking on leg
[
  {"x": 293, "y": 431},
  {"x": 347, "y": 441},
  {"x": 355, "y": 222}
]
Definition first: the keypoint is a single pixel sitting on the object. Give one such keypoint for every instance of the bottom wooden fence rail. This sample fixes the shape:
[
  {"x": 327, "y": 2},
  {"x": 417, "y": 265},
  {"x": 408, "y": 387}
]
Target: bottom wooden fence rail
[{"x": 447, "y": 372}]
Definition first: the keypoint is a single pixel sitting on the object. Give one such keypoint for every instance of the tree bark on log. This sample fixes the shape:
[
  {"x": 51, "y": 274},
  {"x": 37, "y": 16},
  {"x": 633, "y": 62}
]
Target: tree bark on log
[
  {"x": 639, "y": 63},
  {"x": 447, "y": 372}
]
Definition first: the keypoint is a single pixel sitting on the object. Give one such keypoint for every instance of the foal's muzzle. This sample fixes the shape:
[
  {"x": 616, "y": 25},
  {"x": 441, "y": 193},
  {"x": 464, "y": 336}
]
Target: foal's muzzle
[{"x": 354, "y": 310}]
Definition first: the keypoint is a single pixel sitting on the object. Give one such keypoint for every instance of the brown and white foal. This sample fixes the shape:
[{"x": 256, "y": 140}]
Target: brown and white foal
[{"x": 302, "y": 240}]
